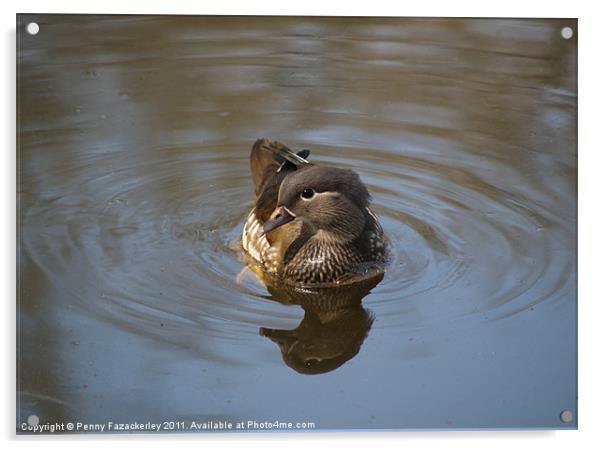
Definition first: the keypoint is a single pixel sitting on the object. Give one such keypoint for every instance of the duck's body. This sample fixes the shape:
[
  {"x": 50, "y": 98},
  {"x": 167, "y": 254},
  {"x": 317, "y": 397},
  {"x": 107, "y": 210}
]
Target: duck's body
[{"x": 310, "y": 224}]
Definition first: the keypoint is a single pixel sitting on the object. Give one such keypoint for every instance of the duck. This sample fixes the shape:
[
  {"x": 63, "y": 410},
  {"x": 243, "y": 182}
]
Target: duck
[{"x": 310, "y": 224}]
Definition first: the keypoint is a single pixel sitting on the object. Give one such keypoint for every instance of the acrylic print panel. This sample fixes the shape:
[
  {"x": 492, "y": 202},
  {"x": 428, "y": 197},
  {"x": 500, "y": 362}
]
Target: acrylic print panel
[{"x": 139, "y": 309}]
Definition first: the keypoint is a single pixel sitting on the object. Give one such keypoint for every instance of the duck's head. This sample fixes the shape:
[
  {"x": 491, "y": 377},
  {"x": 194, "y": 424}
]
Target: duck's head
[{"x": 327, "y": 199}]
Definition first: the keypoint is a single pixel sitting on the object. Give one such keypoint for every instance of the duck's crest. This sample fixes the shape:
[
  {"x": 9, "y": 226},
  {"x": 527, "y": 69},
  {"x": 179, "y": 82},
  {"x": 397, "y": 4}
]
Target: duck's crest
[{"x": 297, "y": 159}]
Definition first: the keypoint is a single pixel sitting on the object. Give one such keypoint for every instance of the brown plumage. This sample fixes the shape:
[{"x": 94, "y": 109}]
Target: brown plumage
[{"x": 310, "y": 224}]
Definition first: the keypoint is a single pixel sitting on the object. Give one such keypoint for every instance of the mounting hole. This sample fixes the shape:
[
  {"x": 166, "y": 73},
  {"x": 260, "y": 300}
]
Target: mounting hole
[
  {"x": 32, "y": 28},
  {"x": 33, "y": 420},
  {"x": 566, "y": 416},
  {"x": 566, "y": 32}
]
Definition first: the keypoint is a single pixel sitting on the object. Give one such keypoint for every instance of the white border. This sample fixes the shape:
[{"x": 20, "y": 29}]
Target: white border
[
  {"x": 458, "y": 8},
  {"x": 589, "y": 206}
]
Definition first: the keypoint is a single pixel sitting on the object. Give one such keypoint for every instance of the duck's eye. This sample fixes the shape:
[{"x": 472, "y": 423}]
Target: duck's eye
[{"x": 308, "y": 194}]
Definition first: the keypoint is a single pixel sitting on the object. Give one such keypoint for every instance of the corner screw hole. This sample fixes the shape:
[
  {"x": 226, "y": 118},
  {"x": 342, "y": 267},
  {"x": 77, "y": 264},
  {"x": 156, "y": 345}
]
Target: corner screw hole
[
  {"x": 566, "y": 32},
  {"x": 566, "y": 416},
  {"x": 32, "y": 28},
  {"x": 33, "y": 420}
]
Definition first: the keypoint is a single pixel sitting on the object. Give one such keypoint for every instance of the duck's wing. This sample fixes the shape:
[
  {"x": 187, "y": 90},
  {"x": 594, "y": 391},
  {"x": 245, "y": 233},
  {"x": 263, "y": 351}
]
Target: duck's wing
[{"x": 270, "y": 163}]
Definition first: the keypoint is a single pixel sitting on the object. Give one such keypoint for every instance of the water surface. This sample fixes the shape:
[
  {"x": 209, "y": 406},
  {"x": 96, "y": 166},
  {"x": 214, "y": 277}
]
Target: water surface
[{"x": 134, "y": 137}]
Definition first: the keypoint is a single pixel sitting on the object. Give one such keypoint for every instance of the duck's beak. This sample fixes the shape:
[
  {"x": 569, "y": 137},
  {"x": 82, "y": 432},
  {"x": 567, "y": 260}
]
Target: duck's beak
[{"x": 280, "y": 216}]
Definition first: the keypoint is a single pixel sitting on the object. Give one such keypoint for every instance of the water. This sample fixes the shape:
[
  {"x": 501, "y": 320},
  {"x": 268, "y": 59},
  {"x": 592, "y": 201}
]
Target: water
[{"x": 134, "y": 184}]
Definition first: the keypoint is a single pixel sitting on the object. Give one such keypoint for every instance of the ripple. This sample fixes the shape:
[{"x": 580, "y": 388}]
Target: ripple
[{"x": 162, "y": 246}]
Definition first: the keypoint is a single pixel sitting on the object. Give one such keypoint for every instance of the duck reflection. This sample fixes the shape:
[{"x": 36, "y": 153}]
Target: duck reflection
[{"x": 333, "y": 328}]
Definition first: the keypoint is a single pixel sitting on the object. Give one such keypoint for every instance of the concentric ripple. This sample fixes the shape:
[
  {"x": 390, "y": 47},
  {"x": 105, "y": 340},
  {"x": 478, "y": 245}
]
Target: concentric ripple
[{"x": 159, "y": 244}]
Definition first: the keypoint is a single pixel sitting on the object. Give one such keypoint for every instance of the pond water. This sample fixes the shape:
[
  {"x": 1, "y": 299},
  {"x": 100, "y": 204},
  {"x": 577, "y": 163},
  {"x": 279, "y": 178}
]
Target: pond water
[{"x": 133, "y": 185}]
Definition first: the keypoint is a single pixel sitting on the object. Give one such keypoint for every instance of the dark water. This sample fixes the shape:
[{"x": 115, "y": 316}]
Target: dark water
[{"x": 134, "y": 135}]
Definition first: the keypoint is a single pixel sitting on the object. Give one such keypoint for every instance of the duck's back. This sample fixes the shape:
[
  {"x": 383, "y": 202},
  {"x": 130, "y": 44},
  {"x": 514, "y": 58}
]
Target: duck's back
[{"x": 268, "y": 169}]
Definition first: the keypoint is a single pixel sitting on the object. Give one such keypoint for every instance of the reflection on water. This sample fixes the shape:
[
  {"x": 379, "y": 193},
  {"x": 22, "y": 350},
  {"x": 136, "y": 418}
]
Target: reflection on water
[
  {"x": 332, "y": 330},
  {"x": 134, "y": 136}
]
